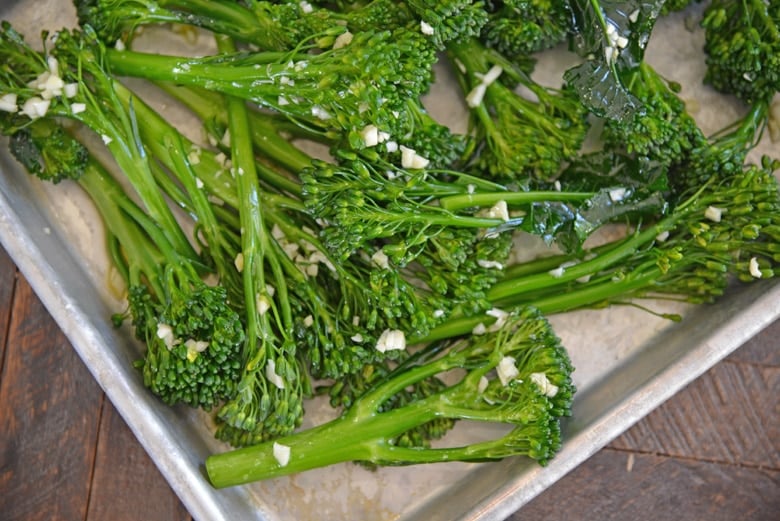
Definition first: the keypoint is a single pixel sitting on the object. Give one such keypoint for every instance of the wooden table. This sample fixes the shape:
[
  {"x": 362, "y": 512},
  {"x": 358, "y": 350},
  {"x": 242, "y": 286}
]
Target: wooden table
[{"x": 710, "y": 453}]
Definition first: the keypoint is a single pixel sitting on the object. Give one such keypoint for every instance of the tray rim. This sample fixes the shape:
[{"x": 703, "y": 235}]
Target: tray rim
[{"x": 203, "y": 502}]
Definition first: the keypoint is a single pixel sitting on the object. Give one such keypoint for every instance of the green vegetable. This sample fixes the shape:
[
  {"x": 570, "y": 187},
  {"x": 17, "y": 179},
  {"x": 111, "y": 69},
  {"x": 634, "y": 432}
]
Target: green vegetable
[
  {"x": 274, "y": 26},
  {"x": 519, "y": 27},
  {"x": 742, "y": 44},
  {"x": 340, "y": 88},
  {"x": 192, "y": 336},
  {"x": 661, "y": 129},
  {"x": 324, "y": 272},
  {"x": 522, "y": 137},
  {"x": 518, "y": 376}
]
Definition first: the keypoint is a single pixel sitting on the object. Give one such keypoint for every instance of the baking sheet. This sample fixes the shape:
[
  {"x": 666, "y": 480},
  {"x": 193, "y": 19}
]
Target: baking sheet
[{"x": 627, "y": 361}]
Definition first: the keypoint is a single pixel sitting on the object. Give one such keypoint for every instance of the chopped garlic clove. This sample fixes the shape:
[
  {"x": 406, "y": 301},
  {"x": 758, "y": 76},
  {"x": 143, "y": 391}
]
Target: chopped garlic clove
[
  {"x": 380, "y": 260},
  {"x": 713, "y": 213},
  {"x": 8, "y": 103},
  {"x": 35, "y": 107},
  {"x": 165, "y": 333},
  {"x": 499, "y": 211},
  {"x": 755, "y": 269},
  {"x": 391, "y": 340},
  {"x": 270, "y": 374},
  {"x": 370, "y": 135},
  {"x": 544, "y": 384},
  {"x": 343, "y": 40},
  {"x": 281, "y": 454},
  {"x": 475, "y": 95},
  {"x": 506, "y": 370}
]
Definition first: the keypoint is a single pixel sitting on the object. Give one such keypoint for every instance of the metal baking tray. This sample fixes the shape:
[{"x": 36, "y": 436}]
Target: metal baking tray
[{"x": 628, "y": 362}]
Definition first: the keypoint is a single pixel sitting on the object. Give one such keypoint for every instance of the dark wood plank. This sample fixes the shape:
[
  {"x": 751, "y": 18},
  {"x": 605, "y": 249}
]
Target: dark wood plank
[
  {"x": 761, "y": 349},
  {"x": 127, "y": 485},
  {"x": 7, "y": 283},
  {"x": 48, "y": 419},
  {"x": 731, "y": 414},
  {"x": 655, "y": 488}
]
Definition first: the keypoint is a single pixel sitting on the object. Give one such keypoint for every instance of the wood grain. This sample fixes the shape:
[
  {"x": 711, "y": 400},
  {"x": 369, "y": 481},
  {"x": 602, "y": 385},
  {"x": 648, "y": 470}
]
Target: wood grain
[
  {"x": 763, "y": 349},
  {"x": 123, "y": 466},
  {"x": 7, "y": 284},
  {"x": 740, "y": 397},
  {"x": 48, "y": 420},
  {"x": 608, "y": 488}
]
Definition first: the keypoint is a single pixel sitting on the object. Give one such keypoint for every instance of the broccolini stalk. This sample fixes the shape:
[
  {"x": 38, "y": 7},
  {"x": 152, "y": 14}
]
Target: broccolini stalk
[
  {"x": 266, "y": 129},
  {"x": 188, "y": 175},
  {"x": 272, "y": 26},
  {"x": 742, "y": 43},
  {"x": 71, "y": 82},
  {"x": 338, "y": 89},
  {"x": 522, "y": 138},
  {"x": 518, "y": 376},
  {"x": 270, "y": 392},
  {"x": 363, "y": 199},
  {"x": 192, "y": 336},
  {"x": 728, "y": 227}
]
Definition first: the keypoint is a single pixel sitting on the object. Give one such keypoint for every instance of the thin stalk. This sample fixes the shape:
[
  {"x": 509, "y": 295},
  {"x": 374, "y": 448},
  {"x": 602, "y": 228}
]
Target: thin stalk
[
  {"x": 459, "y": 202},
  {"x": 208, "y": 106},
  {"x": 334, "y": 442},
  {"x": 111, "y": 202}
]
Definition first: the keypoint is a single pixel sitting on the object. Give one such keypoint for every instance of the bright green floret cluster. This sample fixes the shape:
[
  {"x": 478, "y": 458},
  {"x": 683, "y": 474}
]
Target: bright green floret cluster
[
  {"x": 742, "y": 43},
  {"x": 517, "y": 375}
]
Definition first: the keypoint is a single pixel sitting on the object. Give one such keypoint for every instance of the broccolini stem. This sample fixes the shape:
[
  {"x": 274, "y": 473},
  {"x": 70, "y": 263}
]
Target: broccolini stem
[
  {"x": 338, "y": 441},
  {"x": 516, "y": 286},
  {"x": 158, "y": 133},
  {"x": 208, "y": 73},
  {"x": 227, "y": 17},
  {"x": 208, "y": 106},
  {"x": 459, "y": 202},
  {"x": 113, "y": 205},
  {"x": 132, "y": 160}
]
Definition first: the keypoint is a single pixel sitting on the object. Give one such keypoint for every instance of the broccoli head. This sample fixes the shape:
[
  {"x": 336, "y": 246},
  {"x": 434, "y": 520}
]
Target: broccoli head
[
  {"x": 516, "y": 374},
  {"x": 47, "y": 151},
  {"x": 742, "y": 43},
  {"x": 519, "y": 27}
]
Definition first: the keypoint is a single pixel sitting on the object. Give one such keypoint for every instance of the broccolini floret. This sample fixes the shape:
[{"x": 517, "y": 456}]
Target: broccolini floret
[
  {"x": 522, "y": 137},
  {"x": 723, "y": 228},
  {"x": 519, "y": 27},
  {"x": 742, "y": 44},
  {"x": 671, "y": 6},
  {"x": 519, "y": 376},
  {"x": 661, "y": 128},
  {"x": 192, "y": 336},
  {"x": 340, "y": 88}
]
